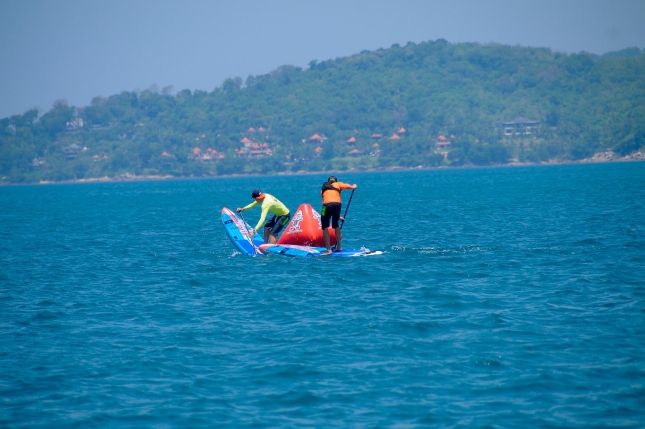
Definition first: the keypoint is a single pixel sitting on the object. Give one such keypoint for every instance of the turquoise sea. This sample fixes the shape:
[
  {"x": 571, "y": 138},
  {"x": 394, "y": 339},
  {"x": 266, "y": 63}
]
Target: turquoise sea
[{"x": 505, "y": 298}]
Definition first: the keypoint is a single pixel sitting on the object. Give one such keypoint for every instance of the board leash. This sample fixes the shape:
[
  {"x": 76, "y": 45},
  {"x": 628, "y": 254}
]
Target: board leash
[{"x": 257, "y": 251}]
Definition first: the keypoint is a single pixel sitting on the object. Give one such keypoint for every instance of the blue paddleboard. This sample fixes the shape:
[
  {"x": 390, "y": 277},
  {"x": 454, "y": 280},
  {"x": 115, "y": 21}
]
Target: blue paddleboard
[
  {"x": 236, "y": 230},
  {"x": 312, "y": 252}
]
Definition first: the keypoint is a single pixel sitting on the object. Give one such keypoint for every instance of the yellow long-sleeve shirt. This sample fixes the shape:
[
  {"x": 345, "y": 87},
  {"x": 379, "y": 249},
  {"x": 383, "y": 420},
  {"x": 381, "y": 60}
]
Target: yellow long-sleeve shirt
[{"x": 269, "y": 204}]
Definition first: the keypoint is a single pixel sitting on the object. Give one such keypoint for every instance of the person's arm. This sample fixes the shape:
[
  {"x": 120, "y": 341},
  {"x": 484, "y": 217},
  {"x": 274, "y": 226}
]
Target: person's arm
[
  {"x": 265, "y": 210},
  {"x": 250, "y": 206},
  {"x": 346, "y": 186}
]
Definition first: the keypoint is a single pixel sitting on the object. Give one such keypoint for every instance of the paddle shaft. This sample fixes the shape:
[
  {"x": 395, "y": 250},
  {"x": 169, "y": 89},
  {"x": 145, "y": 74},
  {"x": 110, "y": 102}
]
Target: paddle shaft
[
  {"x": 247, "y": 233},
  {"x": 347, "y": 208}
]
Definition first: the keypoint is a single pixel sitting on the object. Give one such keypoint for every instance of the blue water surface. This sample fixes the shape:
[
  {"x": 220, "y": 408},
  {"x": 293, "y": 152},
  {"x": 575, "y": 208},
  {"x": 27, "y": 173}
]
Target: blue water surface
[{"x": 505, "y": 297}]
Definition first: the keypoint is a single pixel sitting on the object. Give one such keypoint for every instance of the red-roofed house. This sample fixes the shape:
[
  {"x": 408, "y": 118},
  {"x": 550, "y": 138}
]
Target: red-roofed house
[
  {"x": 254, "y": 150},
  {"x": 442, "y": 142},
  {"x": 247, "y": 142},
  {"x": 351, "y": 140},
  {"x": 377, "y": 136},
  {"x": 255, "y": 153},
  {"x": 401, "y": 131},
  {"x": 318, "y": 150},
  {"x": 395, "y": 137},
  {"x": 315, "y": 138},
  {"x": 251, "y": 130},
  {"x": 195, "y": 153},
  {"x": 354, "y": 152}
]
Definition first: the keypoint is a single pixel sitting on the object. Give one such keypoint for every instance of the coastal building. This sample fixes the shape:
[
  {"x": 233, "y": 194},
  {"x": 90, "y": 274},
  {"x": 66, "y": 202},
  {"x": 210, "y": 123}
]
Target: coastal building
[
  {"x": 518, "y": 126},
  {"x": 247, "y": 142},
  {"x": 442, "y": 142},
  {"x": 261, "y": 149},
  {"x": 205, "y": 156},
  {"x": 351, "y": 141},
  {"x": 316, "y": 138},
  {"x": 254, "y": 150},
  {"x": 75, "y": 124},
  {"x": 72, "y": 151}
]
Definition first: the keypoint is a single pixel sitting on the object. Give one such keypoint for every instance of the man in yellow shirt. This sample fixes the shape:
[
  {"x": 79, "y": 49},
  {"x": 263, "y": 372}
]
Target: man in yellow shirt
[{"x": 268, "y": 203}]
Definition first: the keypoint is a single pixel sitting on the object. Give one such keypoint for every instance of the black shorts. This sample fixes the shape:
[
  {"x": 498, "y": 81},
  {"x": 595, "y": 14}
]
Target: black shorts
[
  {"x": 276, "y": 223},
  {"x": 332, "y": 212}
]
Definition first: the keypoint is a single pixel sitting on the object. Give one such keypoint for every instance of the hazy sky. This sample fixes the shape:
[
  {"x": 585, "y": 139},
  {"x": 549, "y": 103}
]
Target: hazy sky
[{"x": 76, "y": 50}]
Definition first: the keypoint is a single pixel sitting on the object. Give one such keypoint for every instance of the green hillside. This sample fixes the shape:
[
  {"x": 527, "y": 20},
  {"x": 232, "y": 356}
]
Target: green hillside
[{"x": 567, "y": 107}]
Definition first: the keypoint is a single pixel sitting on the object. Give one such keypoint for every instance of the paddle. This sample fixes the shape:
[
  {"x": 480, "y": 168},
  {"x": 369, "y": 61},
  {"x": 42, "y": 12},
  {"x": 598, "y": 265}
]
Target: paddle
[
  {"x": 249, "y": 235},
  {"x": 342, "y": 222}
]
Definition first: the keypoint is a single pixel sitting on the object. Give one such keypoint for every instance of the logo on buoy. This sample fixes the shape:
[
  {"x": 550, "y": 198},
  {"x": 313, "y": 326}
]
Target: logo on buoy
[{"x": 295, "y": 222}]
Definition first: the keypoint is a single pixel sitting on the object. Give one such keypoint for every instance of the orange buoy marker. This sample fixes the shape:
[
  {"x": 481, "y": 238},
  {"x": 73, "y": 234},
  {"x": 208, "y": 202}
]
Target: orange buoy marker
[{"x": 305, "y": 229}]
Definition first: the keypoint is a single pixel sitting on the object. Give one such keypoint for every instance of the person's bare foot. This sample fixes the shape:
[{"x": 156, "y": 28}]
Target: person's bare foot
[{"x": 326, "y": 252}]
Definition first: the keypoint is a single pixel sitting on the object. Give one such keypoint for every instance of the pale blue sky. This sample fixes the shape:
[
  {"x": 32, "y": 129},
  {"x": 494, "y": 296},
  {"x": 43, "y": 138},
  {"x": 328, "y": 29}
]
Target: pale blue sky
[{"x": 78, "y": 49}]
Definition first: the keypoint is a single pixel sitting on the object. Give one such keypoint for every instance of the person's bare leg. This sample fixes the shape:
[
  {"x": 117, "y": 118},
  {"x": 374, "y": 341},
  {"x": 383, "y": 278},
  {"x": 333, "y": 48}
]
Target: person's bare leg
[
  {"x": 339, "y": 238},
  {"x": 267, "y": 233},
  {"x": 272, "y": 239},
  {"x": 327, "y": 241}
]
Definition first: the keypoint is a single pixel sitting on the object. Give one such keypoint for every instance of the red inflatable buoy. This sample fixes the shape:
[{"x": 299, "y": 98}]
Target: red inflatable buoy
[{"x": 305, "y": 230}]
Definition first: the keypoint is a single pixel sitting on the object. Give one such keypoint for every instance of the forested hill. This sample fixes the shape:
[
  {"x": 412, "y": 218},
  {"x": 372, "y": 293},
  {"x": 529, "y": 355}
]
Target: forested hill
[{"x": 426, "y": 104}]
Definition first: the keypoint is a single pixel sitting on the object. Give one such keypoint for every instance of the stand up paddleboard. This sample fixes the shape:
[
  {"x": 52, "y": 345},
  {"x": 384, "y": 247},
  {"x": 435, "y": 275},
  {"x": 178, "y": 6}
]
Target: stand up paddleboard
[
  {"x": 236, "y": 229},
  {"x": 302, "y": 237},
  {"x": 312, "y": 252}
]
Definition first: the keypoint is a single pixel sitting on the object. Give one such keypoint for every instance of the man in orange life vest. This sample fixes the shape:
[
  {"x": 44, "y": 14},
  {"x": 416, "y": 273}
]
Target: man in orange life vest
[{"x": 332, "y": 204}]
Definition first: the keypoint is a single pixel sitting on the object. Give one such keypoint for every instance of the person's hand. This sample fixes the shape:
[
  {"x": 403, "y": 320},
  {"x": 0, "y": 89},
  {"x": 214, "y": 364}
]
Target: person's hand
[
  {"x": 240, "y": 209},
  {"x": 251, "y": 232},
  {"x": 354, "y": 186}
]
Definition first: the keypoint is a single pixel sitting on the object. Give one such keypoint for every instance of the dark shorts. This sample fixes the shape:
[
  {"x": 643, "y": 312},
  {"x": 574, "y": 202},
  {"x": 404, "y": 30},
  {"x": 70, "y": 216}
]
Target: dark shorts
[
  {"x": 330, "y": 212},
  {"x": 276, "y": 223}
]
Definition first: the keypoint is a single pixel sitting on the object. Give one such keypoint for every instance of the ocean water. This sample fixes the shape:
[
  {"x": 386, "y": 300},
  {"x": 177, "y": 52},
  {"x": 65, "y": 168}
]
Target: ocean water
[{"x": 505, "y": 298}]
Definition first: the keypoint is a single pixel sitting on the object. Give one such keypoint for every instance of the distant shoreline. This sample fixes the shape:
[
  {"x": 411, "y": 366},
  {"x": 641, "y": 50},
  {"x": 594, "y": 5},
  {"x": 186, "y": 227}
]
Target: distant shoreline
[{"x": 128, "y": 177}]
